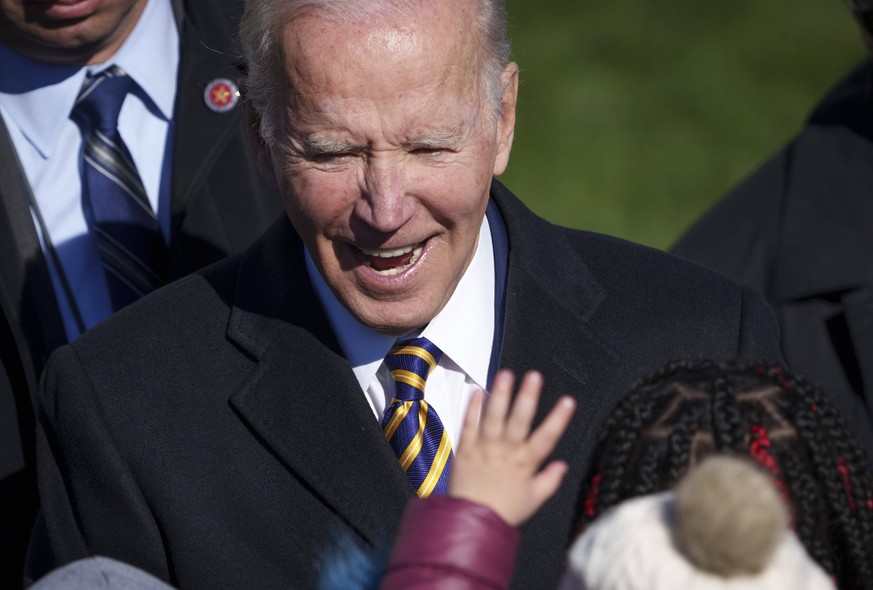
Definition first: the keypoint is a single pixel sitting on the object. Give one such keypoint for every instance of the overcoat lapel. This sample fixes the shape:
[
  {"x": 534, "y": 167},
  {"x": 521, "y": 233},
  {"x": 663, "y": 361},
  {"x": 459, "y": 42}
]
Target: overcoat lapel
[
  {"x": 543, "y": 300},
  {"x": 301, "y": 378}
]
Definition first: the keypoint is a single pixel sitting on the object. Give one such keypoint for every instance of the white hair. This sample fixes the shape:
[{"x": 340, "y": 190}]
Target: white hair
[{"x": 263, "y": 21}]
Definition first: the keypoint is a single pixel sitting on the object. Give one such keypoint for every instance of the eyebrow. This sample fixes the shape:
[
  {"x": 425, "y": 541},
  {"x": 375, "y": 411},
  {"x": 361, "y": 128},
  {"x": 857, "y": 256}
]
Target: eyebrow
[
  {"x": 446, "y": 138},
  {"x": 318, "y": 144}
]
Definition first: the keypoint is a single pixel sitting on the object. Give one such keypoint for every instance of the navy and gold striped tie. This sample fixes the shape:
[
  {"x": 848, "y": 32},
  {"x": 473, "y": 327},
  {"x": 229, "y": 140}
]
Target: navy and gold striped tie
[
  {"x": 411, "y": 426},
  {"x": 114, "y": 201}
]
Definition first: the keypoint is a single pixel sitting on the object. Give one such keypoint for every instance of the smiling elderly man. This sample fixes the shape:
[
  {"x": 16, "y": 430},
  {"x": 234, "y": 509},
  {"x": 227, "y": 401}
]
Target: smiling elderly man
[{"x": 228, "y": 430}]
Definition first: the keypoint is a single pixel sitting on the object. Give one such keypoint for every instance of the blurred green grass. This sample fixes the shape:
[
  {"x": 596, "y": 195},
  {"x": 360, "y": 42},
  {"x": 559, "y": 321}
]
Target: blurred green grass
[{"x": 635, "y": 116}]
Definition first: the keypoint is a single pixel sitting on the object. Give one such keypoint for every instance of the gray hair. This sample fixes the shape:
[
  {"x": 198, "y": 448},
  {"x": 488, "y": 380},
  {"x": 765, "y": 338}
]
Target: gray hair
[{"x": 263, "y": 21}]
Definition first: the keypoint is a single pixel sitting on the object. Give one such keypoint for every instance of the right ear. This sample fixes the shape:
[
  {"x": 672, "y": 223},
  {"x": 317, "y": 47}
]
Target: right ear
[{"x": 260, "y": 149}]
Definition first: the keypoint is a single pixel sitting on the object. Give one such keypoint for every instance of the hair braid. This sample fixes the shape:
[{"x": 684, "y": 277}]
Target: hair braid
[
  {"x": 678, "y": 448},
  {"x": 689, "y": 409},
  {"x": 727, "y": 428}
]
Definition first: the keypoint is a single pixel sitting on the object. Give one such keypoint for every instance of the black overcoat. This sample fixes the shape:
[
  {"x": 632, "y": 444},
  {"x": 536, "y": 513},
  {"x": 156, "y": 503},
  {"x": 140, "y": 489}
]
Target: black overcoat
[{"x": 214, "y": 434}]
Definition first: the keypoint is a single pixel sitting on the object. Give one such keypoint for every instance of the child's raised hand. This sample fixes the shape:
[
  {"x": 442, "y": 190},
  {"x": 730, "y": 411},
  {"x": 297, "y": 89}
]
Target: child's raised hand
[{"x": 498, "y": 459}]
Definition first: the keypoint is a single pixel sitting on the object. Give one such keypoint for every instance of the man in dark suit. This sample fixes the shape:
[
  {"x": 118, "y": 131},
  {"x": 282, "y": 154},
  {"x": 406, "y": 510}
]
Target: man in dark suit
[
  {"x": 225, "y": 431},
  {"x": 799, "y": 229},
  {"x": 210, "y": 199}
]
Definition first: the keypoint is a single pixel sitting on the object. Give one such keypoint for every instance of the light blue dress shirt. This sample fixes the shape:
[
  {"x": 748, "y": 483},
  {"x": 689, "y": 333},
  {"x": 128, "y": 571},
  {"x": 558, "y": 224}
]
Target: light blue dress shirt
[{"x": 36, "y": 100}]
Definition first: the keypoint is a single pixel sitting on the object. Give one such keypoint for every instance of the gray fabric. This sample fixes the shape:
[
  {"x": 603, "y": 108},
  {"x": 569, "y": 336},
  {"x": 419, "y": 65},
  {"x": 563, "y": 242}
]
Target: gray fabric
[{"x": 95, "y": 573}]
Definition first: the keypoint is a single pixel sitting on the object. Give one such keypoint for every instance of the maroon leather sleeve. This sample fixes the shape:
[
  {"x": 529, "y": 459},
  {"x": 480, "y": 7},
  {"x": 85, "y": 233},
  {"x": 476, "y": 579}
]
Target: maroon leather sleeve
[{"x": 451, "y": 544}]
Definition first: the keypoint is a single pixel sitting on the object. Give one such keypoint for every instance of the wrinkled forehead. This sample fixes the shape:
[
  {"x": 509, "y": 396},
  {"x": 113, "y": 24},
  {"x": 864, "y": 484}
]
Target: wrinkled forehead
[
  {"x": 444, "y": 16},
  {"x": 323, "y": 45}
]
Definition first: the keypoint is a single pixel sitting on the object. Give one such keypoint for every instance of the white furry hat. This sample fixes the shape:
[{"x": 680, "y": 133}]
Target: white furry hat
[{"x": 724, "y": 528}]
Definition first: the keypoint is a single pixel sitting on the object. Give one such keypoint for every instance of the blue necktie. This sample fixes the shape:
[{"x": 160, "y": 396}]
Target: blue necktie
[
  {"x": 411, "y": 426},
  {"x": 114, "y": 201}
]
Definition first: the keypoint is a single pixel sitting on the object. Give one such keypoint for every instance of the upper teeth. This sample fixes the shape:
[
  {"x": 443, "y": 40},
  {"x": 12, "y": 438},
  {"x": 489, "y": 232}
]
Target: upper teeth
[{"x": 387, "y": 252}]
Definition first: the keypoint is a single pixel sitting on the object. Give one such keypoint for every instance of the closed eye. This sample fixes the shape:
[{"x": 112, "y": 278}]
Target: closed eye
[
  {"x": 327, "y": 158},
  {"x": 323, "y": 150},
  {"x": 431, "y": 151}
]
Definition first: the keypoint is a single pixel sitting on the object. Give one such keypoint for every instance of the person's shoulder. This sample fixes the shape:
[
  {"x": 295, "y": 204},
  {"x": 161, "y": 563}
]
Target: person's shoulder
[
  {"x": 618, "y": 261},
  {"x": 641, "y": 282},
  {"x": 657, "y": 305},
  {"x": 189, "y": 305},
  {"x": 837, "y": 141},
  {"x": 615, "y": 263},
  {"x": 656, "y": 299},
  {"x": 849, "y": 102},
  {"x": 140, "y": 358}
]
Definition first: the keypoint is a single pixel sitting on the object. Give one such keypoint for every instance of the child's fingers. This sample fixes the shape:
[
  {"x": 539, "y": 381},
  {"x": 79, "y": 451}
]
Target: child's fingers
[
  {"x": 544, "y": 439},
  {"x": 525, "y": 407},
  {"x": 470, "y": 429},
  {"x": 498, "y": 403},
  {"x": 547, "y": 482}
]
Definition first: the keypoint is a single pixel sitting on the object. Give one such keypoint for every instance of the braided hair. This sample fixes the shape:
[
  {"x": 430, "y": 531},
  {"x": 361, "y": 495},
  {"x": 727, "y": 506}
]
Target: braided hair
[{"x": 688, "y": 410}]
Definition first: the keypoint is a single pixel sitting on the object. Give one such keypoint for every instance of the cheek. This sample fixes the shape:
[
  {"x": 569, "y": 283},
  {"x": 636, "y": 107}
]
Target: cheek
[
  {"x": 10, "y": 11},
  {"x": 20, "y": 12},
  {"x": 316, "y": 201},
  {"x": 462, "y": 193}
]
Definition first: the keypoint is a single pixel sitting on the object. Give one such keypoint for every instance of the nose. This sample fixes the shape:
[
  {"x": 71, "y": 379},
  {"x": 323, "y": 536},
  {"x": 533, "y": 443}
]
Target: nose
[{"x": 386, "y": 204}]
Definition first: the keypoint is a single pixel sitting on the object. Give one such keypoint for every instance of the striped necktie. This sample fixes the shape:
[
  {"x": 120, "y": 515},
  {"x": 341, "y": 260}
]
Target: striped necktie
[
  {"x": 411, "y": 426},
  {"x": 132, "y": 250}
]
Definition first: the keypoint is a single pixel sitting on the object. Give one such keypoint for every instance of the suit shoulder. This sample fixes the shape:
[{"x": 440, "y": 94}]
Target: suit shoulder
[
  {"x": 186, "y": 306},
  {"x": 653, "y": 296},
  {"x": 640, "y": 277},
  {"x": 617, "y": 261}
]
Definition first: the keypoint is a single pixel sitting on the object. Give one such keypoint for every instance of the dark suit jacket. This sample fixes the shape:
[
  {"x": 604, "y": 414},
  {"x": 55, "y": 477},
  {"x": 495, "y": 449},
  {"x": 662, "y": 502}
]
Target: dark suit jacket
[
  {"x": 214, "y": 435},
  {"x": 219, "y": 205},
  {"x": 800, "y": 229}
]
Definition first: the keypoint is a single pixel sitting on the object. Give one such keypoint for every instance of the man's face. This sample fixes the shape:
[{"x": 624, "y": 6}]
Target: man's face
[
  {"x": 75, "y": 32},
  {"x": 390, "y": 157}
]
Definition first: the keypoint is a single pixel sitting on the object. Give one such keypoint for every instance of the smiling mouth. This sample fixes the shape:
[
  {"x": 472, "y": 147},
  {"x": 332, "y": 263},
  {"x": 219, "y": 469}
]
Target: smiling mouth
[{"x": 391, "y": 261}]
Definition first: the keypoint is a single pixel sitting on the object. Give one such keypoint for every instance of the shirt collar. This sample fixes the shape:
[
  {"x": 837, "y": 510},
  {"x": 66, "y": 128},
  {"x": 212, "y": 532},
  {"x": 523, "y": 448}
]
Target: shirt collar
[
  {"x": 39, "y": 97},
  {"x": 151, "y": 55},
  {"x": 463, "y": 329}
]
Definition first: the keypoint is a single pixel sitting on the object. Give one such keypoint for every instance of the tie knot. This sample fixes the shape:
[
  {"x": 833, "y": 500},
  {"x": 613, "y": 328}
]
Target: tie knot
[
  {"x": 100, "y": 99},
  {"x": 410, "y": 364}
]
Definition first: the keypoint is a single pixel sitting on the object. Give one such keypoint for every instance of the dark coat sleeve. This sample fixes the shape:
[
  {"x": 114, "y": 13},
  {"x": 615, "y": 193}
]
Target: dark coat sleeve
[{"x": 467, "y": 547}]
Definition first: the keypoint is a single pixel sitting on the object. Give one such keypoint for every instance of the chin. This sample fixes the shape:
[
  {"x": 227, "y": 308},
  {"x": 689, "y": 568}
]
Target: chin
[
  {"x": 399, "y": 323},
  {"x": 397, "y": 327}
]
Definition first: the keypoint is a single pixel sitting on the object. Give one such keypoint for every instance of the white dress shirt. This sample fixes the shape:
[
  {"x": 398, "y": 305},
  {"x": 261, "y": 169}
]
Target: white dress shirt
[
  {"x": 463, "y": 330},
  {"x": 36, "y": 100}
]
